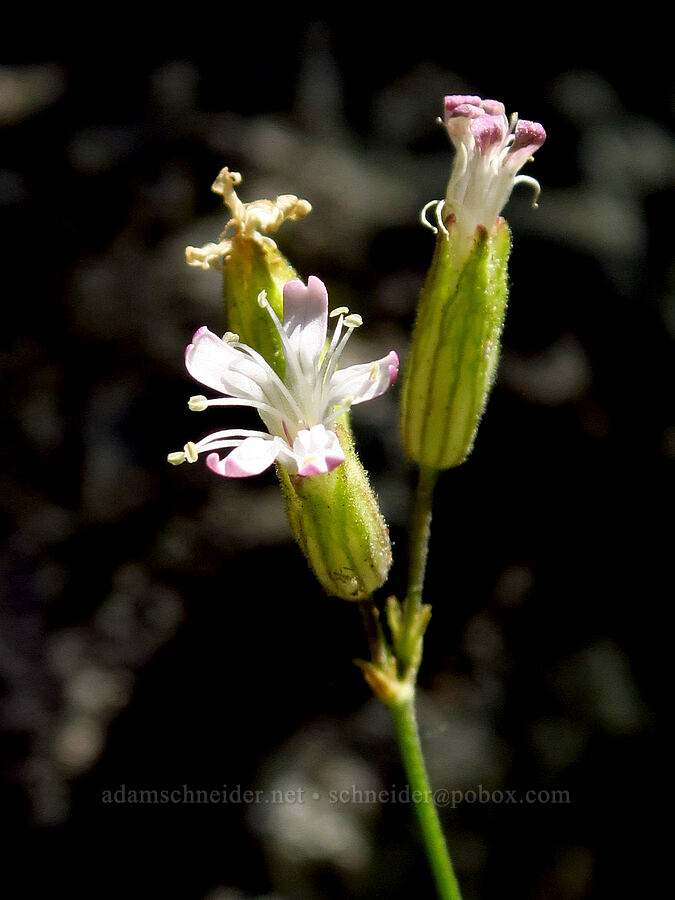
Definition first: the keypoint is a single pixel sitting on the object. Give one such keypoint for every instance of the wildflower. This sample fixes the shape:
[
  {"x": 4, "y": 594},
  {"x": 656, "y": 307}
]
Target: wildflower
[
  {"x": 490, "y": 151},
  {"x": 300, "y": 410},
  {"x": 455, "y": 344}
]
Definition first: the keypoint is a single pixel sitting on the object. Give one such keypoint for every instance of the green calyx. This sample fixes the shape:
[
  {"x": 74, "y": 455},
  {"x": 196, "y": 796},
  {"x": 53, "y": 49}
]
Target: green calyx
[
  {"x": 252, "y": 266},
  {"x": 455, "y": 346},
  {"x": 337, "y": 522}
]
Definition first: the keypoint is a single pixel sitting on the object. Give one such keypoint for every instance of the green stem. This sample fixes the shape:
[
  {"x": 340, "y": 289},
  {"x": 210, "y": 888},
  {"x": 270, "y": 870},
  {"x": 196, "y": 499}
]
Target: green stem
[
  {"x": 403, "y": 710},
  {"x": 376, "y": 641},
  {"x": 392, "y": 674},
  {"x": 408, "y": 737},
  {"x": 420, "y": 530}
]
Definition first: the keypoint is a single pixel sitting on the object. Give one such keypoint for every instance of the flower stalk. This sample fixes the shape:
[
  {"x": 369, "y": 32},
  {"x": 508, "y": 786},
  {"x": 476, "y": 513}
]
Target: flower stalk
[
  {"x": 410, "y": 746},
  {"x": 392, "y": 675}
]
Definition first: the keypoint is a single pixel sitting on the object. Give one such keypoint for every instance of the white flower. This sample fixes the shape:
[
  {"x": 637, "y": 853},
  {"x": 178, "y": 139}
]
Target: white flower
[
  {"x": 299, "y": 411},
  {"x": 490, "y": 151}
]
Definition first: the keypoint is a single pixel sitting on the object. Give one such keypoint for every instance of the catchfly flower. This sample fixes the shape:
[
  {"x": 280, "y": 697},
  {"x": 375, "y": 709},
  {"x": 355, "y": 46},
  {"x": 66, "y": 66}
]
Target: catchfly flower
[
  {"x": 491, "y": 149},
  {"x": 455, "y": 345},
  {"x": 300, "y": 410}
]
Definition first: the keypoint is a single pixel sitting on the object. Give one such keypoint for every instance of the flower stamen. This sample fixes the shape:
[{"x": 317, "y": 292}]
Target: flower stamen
[{"x": 198, "y": 403}]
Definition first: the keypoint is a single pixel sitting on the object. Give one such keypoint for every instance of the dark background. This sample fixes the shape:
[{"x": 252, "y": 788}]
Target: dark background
[{"x": 158, "y": 628}]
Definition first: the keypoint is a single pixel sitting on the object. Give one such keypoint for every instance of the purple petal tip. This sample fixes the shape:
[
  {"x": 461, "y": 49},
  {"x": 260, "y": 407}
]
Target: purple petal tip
[
  {"x": 528, "y": 134},
  {"x": 452, "y": 101},
  {"x": 393, "y": 367}
]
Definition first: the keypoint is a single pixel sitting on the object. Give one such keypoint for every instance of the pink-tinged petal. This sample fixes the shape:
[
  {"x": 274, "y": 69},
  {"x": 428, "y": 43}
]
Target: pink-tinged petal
[
  {"x": 208, "y": 357},
  {"x": 528, "y": 138},
  {"x": 218, "y": 365},
  {"x": 465, "y": 111},
  {"x": 333, "y": 452},
  {"x": 459, "y": 123},
  {"x": 453, "y": 101},
  {"x": 488, "y": 131},
  {"x": 314, "y": 464},
  {"x": 364, "y": 382},
  {"x": 317, "y": 451},
  {"x": 306, "y": 319},
  {"x": 494, "y": 107},
  {"x": 251, "y": 457}
]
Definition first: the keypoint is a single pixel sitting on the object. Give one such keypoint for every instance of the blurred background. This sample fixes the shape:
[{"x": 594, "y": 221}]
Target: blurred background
[{"x": 159, "y": 629}]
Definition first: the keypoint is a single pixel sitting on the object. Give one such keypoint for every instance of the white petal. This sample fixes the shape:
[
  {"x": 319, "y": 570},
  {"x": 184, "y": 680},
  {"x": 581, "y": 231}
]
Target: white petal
[
  {"x": 245, "y": 379},
  {"x": 218, "y": 365},
  {"x": 207, "y": 357},
  {"x": 363, "y": 382},
  {"x": 306, "y": 319},
  {"x": 251, "y": 457},
  {"x": 230, "y": 437}
]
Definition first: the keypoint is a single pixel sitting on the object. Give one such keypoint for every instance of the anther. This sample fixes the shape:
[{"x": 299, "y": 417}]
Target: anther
[
  {"x": 198, "y": 403},
  {"x": 230, "y": 337},
  {"x": 176, "y": 458},
  {"x": 190, "y": 451},
  {"x": 262, "y": 299},
  {"x": 353, "y": 321},
  {"x": 340, "y": 311}
]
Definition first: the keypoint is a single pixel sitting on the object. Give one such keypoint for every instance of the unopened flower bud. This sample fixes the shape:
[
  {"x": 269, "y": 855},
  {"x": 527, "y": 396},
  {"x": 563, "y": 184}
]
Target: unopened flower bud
[{"x": 337, "y": 522}]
